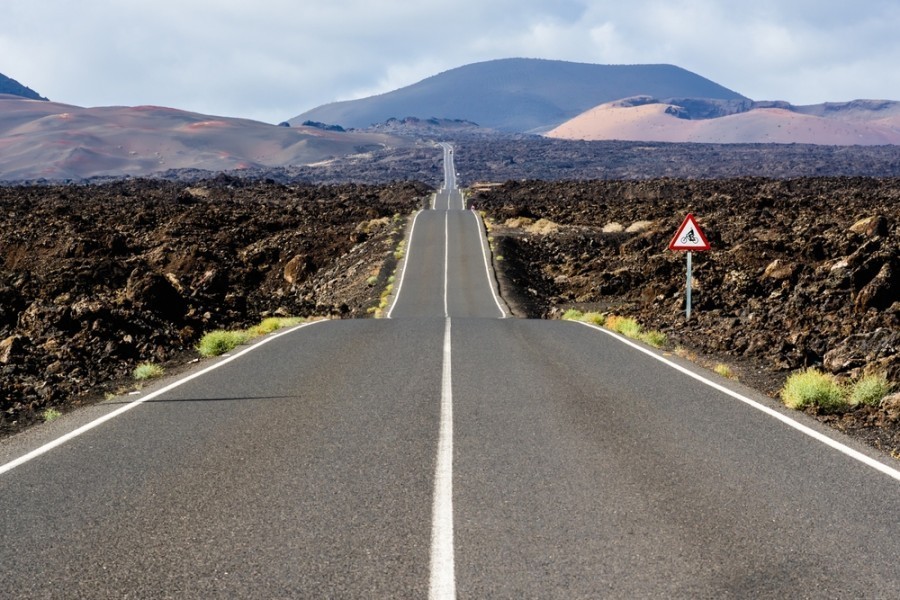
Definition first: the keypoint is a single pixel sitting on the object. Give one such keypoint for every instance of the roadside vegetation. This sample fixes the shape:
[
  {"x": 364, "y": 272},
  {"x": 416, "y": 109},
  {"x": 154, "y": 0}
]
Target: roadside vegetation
[
  {"x": 806, "y": 389},
  {"x": 147, "y": 370},
  {"x": 220, "y": 341},
  {"x": 811, "y": 388},
  {"x": 869, "y": 390},
  {"x": 724, "y": 370},
  {"x": 630, "y": 328},
  {"x": 400, "y": 252},
  {"x": 384, "y": 297},
  {"x": 626, "y": 326},
  {"x": 50, "y": 414},
  {"x": 489, "y": 228}
]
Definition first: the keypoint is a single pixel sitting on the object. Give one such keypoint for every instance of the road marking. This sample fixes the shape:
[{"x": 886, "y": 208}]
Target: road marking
[
  {"x": 412, "y": 230},
  {"x": 487, "y": 266},
  {"x": 97, "y": 422},
  {"x": 442, "y": 584},
  {"x": 804, "y": 429},
  {"x": 446, "y": 260}
]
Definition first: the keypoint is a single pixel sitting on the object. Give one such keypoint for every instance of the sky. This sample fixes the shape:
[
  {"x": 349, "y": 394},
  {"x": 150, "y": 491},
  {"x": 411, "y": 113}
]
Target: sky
[{"x": 271, "y": 60}]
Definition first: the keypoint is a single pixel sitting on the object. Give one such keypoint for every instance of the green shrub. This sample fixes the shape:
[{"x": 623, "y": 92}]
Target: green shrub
[
  {"x": 594, "y": 318},
  {"x": 657, "y": 339},
  {"x": 266, "y": 326},
  {"x": 869, "y": 390},
  {"x": 147, "y": 370},
  {"x": 271, "y": 324},
  {"x": 50, "y": 414},
  {"x": 612, "y": 321},
  {"x": 624, "y": 325},
  {"x": 573, "y": 314},
  {"x": 385, "y": 296},
  {"x": 724, "y": 370},
  {"x": 219, "y": 342},
  {"x": 400, "y": 252},
  {"x": 811, "y": 387}
]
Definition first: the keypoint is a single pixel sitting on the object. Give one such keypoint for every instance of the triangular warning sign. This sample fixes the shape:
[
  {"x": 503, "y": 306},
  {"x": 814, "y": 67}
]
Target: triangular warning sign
[{"x": 689, "y": 236}]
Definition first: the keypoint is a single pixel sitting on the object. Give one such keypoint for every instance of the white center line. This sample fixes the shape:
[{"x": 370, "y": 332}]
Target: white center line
[
  {"x": 442, "y": 585},
  {"x": 446, "y": 260}
]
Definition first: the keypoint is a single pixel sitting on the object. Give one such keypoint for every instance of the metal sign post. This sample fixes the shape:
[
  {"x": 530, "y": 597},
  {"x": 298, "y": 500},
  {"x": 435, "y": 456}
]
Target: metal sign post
[
  {"x": 687, "y": 310},
  {"x": 689, "y": 238}
]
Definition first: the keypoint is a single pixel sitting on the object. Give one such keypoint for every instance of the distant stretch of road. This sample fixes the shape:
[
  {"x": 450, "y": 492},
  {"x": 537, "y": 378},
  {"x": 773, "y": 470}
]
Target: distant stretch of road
[{"x": 447, "y": 451}]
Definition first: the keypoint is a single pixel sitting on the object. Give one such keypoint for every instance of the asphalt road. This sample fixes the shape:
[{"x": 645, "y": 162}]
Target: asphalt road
[{"x": 446, "y": 451}]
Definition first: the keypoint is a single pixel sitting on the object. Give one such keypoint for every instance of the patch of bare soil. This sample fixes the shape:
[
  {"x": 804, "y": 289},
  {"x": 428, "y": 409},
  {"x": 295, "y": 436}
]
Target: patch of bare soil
[
  {"x": 802, "y": 272},
  {"x": 96, "y": 279}
]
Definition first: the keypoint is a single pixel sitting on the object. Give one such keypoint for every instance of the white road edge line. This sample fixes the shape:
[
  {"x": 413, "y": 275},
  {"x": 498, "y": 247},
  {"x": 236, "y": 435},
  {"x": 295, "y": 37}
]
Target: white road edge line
[
  {"x": 487, "y": 267},
  {"x": 442, "y": 584},
  {"x": 412, "y": 230},
  {"x": 446, "y": 261},
  {"x": 97, "y": 422},
  {"x": 836, "y": 445}
]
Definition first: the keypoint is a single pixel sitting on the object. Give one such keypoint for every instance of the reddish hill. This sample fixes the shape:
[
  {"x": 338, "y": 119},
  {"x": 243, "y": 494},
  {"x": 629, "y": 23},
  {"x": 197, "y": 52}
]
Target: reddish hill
[
  {"x": 58, "y": 141},
  {"x": 856, "y": 123}
]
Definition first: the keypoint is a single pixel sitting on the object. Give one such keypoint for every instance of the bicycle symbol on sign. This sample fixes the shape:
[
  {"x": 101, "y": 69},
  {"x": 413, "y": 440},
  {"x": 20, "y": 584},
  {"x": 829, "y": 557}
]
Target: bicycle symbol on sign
[{"x": 689, "y": 237}]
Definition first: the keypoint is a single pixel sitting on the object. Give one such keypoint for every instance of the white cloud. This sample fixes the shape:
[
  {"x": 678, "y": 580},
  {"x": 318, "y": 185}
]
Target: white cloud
[{"x": 273, "y": 59}]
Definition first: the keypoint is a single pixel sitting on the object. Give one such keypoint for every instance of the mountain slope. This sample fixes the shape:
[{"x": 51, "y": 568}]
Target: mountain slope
[
  {"x": 680, "y": 121},
  {"x": 57, "y": 141},
  {"x": 519, "y": 94},
  {"x": 14, "y": 88}
]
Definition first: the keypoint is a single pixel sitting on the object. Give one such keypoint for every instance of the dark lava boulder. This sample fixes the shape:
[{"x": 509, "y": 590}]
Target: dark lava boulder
[{"x": 156, "y": 293}]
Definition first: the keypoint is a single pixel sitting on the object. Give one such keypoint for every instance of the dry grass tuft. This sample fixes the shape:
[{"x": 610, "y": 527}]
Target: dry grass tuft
[
  {"x": 724, "y": 370},
  {"x": 639, "y": 226}
]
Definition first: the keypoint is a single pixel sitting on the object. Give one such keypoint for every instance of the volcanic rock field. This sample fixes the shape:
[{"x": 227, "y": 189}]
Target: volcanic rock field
[
  {"x": 802, "y": 272},
  {"x": 96, "y": 279}
]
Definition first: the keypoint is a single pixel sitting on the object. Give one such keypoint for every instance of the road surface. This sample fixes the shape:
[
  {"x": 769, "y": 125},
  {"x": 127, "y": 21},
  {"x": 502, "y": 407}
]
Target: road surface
[{"x": 448, "y": 451}]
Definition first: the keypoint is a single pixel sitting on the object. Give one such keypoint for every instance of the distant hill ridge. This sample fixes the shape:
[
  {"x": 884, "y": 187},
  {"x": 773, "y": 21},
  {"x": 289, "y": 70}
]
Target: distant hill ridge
[
  {"x": 572, "y": 101},
  {"x": 699, "y": 120},
  {"x": 54, "y": 141},
  {"x": 519, "y": 94},
  {"x": 14, "y": 88}
]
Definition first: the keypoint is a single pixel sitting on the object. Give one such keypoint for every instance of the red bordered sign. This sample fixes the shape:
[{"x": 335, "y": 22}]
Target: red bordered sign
[{"x": 689, "y": 237}]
